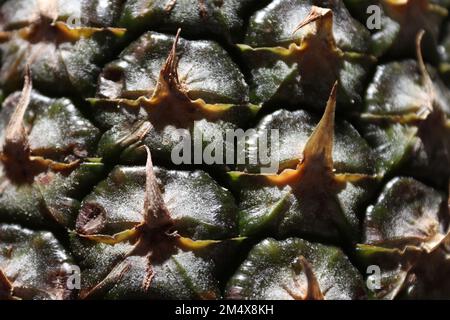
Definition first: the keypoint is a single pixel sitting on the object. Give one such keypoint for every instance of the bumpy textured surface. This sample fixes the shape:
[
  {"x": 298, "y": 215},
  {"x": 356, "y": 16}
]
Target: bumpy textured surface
[{"x": 96, "y": 96}]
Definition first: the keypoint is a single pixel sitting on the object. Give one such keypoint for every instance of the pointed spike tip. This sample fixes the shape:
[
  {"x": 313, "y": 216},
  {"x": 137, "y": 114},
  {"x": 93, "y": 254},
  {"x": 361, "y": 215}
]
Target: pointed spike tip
[
  {"x": 15, "y": 130},
  {"x": 172, "y": 58},
  {"x": 333, "y": 94},
  {"x": 168, "y": 76},
  {"x": 313, "y": 292},
  {"x": 426, "y": 78},
  {"x": 156, "y": 214},
  {"x": 177, "y": 36},
  {"x": 420, "y": 60},
  {"x": 320, "y": 144},
  {"x": 315, "y": 14}
]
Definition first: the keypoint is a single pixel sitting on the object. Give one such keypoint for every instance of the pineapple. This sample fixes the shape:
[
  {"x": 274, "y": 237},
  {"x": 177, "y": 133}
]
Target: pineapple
[{"x": 108, "y": 109}]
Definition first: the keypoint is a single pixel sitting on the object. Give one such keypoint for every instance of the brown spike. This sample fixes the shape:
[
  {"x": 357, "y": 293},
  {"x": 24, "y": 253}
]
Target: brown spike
[
  {"x": 317, "y": 160},
  {"x": 426, "y": 79},
  {"x": 156, "y": 214},
  {"x": 16, "y": 149},
  {"x": 168, "y": 82},
  {"x": 423, "y": 68},
  {"x": 169, "y": 72},
  {"x": 320, "y": 144},
  {"x": 313, "y": 292},
  {"x": 20, "y": 165},
  {"x": 315, "y": 14},
  {"x": 6, "y": 288},
  {"x": 15, "y": 131}
]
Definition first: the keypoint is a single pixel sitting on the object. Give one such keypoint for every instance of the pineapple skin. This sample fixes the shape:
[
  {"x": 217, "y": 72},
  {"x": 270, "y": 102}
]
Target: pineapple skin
[{"x": 92, "y": 205}]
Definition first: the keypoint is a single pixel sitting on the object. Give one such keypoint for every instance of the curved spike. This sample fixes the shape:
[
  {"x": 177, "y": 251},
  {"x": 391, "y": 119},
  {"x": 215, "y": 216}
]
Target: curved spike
[
  {"x": 168, "y": 84},
  {"x": 156, "y": 214},
  {"x": 15, "y": 131},
  {"x": 6, "y": 288},
  {"x": 314, "y": 292},
  {"x": 320, "y": 144},
  {"x": 427, "y": 82},
  {"x": 16, "y": 155},
  {"x": 317, "y": 160},
  {"x": 315, "y": 14},
  {"x": 169, "y": 72},
  {"x": 425, "y": 110},
  {"x": 16, "y": 148}
]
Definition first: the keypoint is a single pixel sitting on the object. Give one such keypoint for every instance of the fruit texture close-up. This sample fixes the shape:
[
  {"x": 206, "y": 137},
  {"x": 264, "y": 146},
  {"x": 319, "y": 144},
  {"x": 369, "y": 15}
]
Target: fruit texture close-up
[{"x": 224, "y": 149}]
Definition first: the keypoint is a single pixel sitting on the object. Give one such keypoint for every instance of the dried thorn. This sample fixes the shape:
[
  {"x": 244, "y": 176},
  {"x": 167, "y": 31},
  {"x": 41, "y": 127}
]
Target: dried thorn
[
  {"x": 315, "y": 14},
  {"x": 156, "y": 214}
]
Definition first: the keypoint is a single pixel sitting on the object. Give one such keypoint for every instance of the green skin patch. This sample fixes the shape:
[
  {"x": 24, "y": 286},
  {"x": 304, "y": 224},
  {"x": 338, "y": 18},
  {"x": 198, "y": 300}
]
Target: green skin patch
[
  {"x": 196, "y": 18},
  {"x": 33, "y": 265},
  {"x": 272, "y": 271},
  {"x": 405, "y": 234}
]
